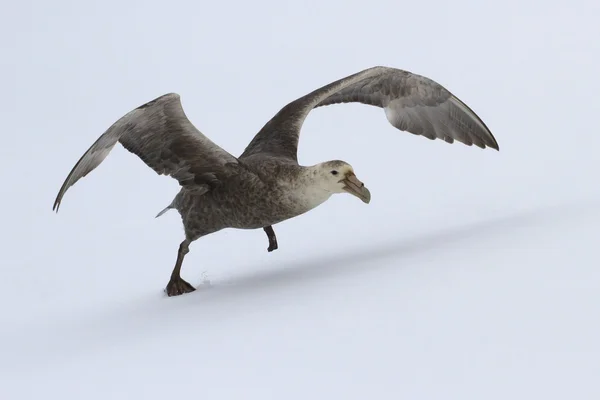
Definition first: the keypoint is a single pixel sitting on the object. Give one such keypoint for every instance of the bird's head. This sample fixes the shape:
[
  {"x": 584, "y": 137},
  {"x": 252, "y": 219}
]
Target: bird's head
[{"x": 339, "y": 177}]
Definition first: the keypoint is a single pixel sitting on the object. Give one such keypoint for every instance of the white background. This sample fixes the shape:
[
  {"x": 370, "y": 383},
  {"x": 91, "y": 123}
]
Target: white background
[{"x": 471, "y": 275}]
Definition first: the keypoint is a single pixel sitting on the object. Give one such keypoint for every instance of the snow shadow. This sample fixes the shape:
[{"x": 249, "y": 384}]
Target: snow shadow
[
  {"x": 356, "y": 259},
  {"x": 74, "y": 335}
]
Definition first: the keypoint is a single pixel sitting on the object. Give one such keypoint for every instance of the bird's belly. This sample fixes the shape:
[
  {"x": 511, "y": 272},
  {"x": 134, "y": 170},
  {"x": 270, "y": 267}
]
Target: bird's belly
[
  {"x": 258, "y": 215},
  {"x": 212, "y": 212}
]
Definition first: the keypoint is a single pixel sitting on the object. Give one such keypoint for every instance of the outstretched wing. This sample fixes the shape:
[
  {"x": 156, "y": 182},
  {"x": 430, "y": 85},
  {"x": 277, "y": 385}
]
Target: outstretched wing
[
  {"x": 164, "y": 138},
  {"x": 411, "y": 102}
]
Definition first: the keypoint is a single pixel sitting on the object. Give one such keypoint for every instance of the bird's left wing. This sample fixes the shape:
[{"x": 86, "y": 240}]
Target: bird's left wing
[
  {"x": 164, "y": 138},
  {"x": 412, "y": 103}
]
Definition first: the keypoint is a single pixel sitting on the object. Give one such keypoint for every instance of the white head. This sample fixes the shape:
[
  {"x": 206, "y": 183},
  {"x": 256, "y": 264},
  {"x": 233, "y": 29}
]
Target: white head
[{"x": 338, "y": 177}]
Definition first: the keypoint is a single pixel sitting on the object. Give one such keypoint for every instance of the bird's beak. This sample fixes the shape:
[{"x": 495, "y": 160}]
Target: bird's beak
[{"x": 355, "y": 187}]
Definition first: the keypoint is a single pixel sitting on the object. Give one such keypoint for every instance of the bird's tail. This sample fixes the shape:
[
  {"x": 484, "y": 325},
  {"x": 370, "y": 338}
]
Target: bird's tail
[{"x": 167, "y": 208}]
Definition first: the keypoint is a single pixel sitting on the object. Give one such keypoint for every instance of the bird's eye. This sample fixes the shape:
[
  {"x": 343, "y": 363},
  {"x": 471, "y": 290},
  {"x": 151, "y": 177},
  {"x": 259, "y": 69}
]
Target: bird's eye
[{"x": 334, "y": 172}]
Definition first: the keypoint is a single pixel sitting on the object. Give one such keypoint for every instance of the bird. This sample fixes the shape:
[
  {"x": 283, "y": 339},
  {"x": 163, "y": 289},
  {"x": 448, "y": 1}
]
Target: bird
[{"x": 266, "y": 185}]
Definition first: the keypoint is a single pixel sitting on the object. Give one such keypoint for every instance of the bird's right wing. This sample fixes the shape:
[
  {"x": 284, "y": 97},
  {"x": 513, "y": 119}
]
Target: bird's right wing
[
  {"x": 160, "y": 134},
  {"x": 412, "y": 103}
]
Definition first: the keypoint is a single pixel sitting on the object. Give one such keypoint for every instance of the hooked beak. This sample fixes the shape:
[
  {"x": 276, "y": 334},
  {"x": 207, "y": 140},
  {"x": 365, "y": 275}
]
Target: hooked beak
[{"x": 356, "y": 188}]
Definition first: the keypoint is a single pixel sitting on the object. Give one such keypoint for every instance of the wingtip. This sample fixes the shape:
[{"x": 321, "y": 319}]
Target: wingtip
[
  {"x": 493, "y": 143},
  {"x": 493, "y": 146},
  {"x": 56, "y": 205}
]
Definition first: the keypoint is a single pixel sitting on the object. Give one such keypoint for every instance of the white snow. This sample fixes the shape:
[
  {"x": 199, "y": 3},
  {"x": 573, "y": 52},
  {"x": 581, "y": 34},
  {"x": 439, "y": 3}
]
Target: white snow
[{"x": 471, "y": 274}]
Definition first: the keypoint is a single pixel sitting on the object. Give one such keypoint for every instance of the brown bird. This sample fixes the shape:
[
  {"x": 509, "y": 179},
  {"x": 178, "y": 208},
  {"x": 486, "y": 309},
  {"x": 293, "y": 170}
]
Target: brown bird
[{"x": 266, "y": 185}]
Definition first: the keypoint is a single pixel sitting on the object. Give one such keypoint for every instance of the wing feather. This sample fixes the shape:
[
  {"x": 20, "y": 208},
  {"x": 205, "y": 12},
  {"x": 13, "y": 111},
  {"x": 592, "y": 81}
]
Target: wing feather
[
  {"x": 162, "y": 136},
  {"x": 411, "y": 102}
]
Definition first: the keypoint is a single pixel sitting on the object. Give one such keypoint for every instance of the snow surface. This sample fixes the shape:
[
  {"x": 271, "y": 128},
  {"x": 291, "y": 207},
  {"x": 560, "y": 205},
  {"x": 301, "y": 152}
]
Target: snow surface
[{"x": 471, "y": 274}]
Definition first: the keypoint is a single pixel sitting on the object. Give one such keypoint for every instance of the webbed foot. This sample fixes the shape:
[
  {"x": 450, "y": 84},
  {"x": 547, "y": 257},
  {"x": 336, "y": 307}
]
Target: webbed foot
[{"x": 176, "y": 287}]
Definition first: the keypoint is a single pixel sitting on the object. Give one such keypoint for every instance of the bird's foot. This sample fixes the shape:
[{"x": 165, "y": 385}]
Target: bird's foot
[
  {"x": 272, "y": 238},
  {"x": 272, "y": 246},
  {"x": 175, "y": 287}
]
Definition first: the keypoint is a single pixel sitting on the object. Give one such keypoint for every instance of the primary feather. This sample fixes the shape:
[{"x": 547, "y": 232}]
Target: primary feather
[
  {"x": 160, "y": 134},
  {"x": 411, "y": 102}
]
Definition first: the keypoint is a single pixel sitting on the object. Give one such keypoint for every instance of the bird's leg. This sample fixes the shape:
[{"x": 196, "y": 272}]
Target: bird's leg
[
  {"x": 272, "y": 238},
  {"x": 176, "y": 285}
]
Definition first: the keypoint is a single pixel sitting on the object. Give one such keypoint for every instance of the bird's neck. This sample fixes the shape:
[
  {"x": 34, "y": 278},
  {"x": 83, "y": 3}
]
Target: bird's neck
[{"x": 306, "y": 191}]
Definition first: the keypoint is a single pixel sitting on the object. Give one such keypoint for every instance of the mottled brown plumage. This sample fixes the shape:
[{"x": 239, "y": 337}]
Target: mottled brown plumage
[{"x": 266, "y": 185}]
